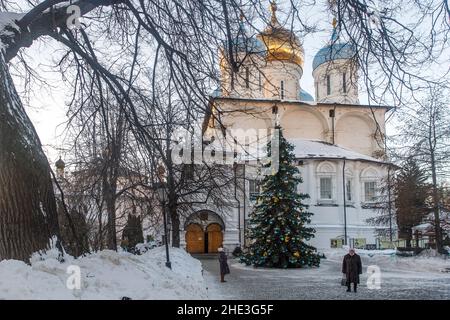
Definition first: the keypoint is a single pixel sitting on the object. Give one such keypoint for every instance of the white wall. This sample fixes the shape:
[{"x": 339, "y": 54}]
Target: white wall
[
  {"x": 335, "y": 70},
  {"x": 358, "y": 128}
]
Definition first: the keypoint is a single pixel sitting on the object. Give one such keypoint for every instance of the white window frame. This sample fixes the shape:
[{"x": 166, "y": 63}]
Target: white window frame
[
  {"x": 375, "y": 193},
  {"x": 349, "y": 192},
  {"x": 252, "y": 195},
  {"x": 368, "y": 175},
  {"x": 331, "y": 188},
  {"x": 326, "y": 170}
]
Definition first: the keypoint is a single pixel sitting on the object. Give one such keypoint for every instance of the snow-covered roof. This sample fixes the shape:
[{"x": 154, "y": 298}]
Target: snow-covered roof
[
  {"x": 422, "y": 227},
  {"x": 305, "y": 149},
  {"x": 308, "y": 149}
]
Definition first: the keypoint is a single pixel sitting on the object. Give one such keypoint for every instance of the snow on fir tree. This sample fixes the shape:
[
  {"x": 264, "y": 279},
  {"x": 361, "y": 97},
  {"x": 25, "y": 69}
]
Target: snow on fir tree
[{"x": 278, "y": 228}]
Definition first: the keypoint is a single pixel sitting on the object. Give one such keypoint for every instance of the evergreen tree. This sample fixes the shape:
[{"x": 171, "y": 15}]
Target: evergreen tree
[
  {"x": 278, "y": 222},
  {"x": 411, "y": 193},
  {"x": 132, "y": 233}
]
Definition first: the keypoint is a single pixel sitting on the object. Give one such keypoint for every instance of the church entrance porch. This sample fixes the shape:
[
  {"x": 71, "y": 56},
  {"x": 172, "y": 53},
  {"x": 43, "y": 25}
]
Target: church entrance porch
[{"x": 204, "y": 232}]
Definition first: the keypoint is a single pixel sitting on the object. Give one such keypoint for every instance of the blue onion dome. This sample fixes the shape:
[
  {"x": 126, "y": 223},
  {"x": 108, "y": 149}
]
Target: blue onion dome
[
  {"x": 334, "y": 50},
  {"x": 216, "y": 93},
  {"x": 305, "y": 96},
  {"x": 245, "y": 43}
]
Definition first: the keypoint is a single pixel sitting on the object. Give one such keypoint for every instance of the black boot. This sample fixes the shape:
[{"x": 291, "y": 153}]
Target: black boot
[
  {"x": 348, "y": 289},
  {"x": 354, "y": 287}
]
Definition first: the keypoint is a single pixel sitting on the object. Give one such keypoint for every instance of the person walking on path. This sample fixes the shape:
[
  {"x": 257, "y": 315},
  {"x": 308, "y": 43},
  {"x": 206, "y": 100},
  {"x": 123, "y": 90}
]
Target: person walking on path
[
  {"x": 352, "y": 268},
  {"x": 224, "y": 269}
]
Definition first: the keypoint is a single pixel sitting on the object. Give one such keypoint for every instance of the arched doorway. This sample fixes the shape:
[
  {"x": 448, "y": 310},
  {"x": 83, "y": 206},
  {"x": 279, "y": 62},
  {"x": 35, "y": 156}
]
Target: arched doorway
[
  {"x": 195, "y": 239},
  {"x": 214, "y": 236},
  {"x": 204, "y": 232}
]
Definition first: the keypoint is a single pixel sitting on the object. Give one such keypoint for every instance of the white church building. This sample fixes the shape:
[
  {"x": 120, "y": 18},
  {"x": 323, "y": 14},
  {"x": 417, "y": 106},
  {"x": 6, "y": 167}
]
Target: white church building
[{"x": 339, "y": 143}]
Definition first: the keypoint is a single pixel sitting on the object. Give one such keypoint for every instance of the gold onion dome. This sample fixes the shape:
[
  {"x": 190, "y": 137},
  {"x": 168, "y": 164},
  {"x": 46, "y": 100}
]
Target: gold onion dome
[{"x": 282, "y": 44}]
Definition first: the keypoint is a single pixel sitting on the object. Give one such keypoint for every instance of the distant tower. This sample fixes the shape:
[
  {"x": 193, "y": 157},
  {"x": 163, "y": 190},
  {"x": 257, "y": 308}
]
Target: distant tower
[
  {"x": 335, "y": 71},
  {"x": 270, "y": 64},
  {"x": 284, "y": 60},
  {"x": 60, "y": 166},
  {"x": 248, "y": 53}
]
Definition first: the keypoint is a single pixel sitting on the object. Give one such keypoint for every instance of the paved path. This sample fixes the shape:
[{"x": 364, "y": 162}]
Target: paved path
[{"x": 319, "y": 283}]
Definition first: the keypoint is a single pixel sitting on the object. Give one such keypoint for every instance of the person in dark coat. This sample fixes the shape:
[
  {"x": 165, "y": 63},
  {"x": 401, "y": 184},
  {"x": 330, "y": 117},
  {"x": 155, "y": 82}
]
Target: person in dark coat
[
  {"x": 352, "y": 268},
  {"x": 224, "y": 269}
]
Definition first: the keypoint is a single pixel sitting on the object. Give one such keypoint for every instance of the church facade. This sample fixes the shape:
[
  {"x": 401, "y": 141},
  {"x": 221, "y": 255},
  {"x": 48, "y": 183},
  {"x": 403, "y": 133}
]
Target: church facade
[{"x": 339, "y": 143}]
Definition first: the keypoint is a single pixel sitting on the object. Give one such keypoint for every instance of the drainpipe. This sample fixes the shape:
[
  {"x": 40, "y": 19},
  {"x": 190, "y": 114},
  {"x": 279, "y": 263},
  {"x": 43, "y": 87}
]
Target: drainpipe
[
  {"x": 244, "y": 204},
  {"x": 332, "y": 114},
  {"x": 389, "y": 203},
  {"x": 389, "y": 189},
  {"x": 345, "y": 203},
  {"x": 239, "y": 204}
]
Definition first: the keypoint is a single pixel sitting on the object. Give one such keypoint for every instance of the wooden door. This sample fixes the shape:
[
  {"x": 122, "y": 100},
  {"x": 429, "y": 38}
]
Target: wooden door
[
  {"x": 215, "y": 237},
  {"x": 195, "y": 239}
]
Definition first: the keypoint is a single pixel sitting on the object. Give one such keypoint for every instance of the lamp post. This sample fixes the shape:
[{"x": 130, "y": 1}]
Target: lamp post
[
  {"x": 161, "y": 188},
  {"x": 345, "y": 204}
]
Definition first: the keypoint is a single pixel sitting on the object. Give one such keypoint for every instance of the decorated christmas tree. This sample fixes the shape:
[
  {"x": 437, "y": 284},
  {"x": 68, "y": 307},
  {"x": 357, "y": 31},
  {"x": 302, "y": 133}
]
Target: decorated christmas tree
[{"x": 278, "y": 223}]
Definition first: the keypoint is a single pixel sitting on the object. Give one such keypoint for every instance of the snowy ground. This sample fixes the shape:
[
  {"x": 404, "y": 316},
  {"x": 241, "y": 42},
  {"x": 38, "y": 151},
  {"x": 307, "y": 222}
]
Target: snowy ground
[
  {"x": 401, "y": 278},
  {"x": 113, "y": 275},
  {"x": 105, "y": 275}
]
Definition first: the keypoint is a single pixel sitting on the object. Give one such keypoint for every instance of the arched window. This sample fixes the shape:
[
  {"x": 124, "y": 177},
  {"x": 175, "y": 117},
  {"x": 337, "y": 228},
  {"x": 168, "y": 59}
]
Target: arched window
[
  {"x": 369, "y": 178},
  {"x": 232, "y": 80},
  {"x": 348, "y": 186},
  {"x": 328, "y": 85},
  {"x": 247, "y": 77},
  {"x": 344, "y": 83},
  {"x": 326, "y": 179},
  {"x": 260, "y": 81}
]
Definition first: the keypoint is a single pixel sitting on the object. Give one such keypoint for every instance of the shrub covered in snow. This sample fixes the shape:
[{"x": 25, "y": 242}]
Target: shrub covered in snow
[{"x": 142, "y": 248}]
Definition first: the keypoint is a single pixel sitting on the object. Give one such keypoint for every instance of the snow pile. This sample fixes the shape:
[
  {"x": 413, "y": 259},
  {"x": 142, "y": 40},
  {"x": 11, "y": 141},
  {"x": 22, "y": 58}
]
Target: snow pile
[
  {"x": 334, "y": 254},
  {"x": 427, "y": 261},
  {"x": 104, "y": 275}
]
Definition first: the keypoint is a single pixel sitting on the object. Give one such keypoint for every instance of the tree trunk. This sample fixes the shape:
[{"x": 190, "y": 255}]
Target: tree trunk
[
  {"x": 437, "y": 222},
  {"x": 408, "y": 239},
  {"x": 111, "y": 226},
  {"x": 28, "y": 213},
  {"x": 109, "y": 194},
  {"x": 172, "y": 196},
  {"x": 175, "y": 222}
]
